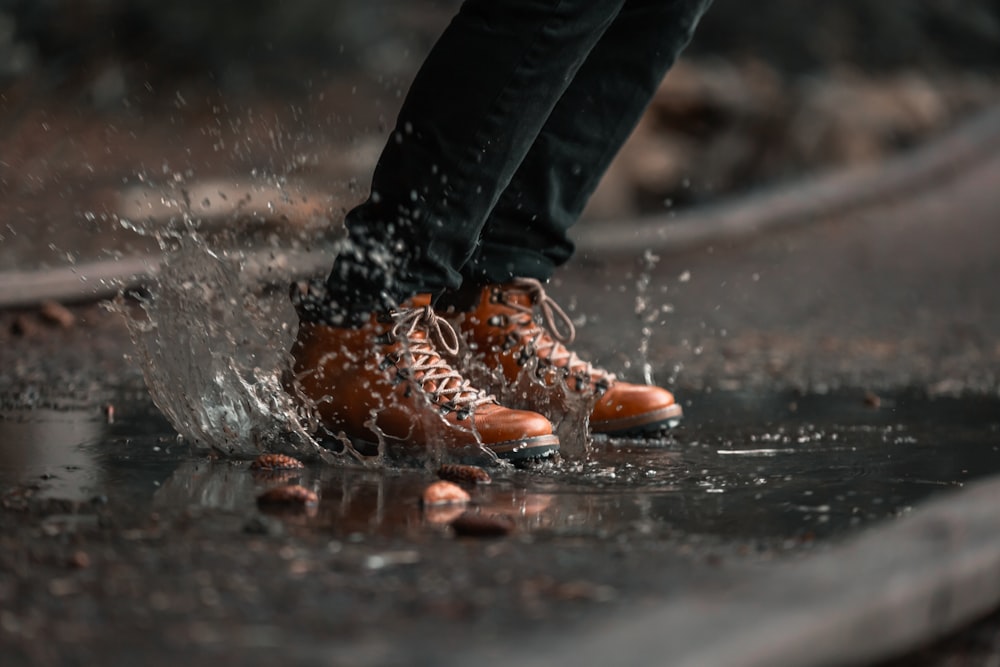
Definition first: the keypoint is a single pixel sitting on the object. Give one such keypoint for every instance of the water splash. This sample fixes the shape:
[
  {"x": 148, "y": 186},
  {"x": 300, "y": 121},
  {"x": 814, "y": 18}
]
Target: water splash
[
  {"x": 213, "y": 342},
  {"x": 645, "y": 312},
  {"x": 214, "y": 348},
  {"x": 545, "y": 393},
  {"x": 213, "y": 354}
]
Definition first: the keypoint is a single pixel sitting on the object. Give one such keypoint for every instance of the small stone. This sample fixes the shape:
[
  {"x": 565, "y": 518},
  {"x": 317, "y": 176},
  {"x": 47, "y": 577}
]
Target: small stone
[
  {"x": 463, "y": 474},
  {"x": 79, "y": 560},
  {"x": 445, "y": 493},
  {"x": 292, "y": 496},
  {"x": 473, "y": 524},
  {"x": 24, "y": 326},
  {"x": 56, "y": 313},
  {"x": 276, "y": 462},
  {"x": 872, "y": 399}
]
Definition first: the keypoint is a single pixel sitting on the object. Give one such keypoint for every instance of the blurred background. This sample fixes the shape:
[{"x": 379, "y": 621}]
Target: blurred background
[{"x": 97, "y": 96}]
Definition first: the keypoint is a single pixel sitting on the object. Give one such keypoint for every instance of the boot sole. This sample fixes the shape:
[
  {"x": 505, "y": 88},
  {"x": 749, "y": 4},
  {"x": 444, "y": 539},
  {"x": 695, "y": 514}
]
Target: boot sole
[
  {"x": 524, "y": 449},
  {"x": 538, "y": 447},
  {"x": 646, "y": 425}
]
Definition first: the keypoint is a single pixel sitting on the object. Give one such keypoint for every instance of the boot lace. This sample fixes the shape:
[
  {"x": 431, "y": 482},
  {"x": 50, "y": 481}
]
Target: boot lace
[
  {"x": 423, "y": 333},
  {"x": 549, "y": 341}
]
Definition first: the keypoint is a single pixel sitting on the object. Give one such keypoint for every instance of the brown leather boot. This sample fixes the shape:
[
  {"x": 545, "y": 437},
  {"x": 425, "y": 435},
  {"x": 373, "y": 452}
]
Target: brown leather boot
[
  {"x": 501, "y": 331},
  {"x": 386, "y": 381}
]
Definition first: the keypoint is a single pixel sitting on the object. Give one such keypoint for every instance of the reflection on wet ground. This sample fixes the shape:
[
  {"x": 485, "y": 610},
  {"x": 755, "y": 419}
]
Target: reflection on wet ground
[{"x": 775, "y": 469}]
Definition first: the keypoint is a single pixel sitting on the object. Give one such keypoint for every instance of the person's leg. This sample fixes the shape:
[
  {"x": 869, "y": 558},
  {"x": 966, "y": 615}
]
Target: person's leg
[
  {"x": 472, "y": 113},
  {"x": 371, "y": 359},
  {"x": 506, "y": 319},
  {"x": 525, "y": 235}
]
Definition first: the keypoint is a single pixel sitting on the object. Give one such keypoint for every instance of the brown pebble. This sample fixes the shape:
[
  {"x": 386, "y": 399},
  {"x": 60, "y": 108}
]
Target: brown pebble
[
  {"x": 473, "y": 524},
  {"x": 56, "y": 313},
  {"x": 79, "y": 560},
  {"x": 463, "y": 474},
  {"x": 24, "y": 326},
  {"x": 109, "y": 413},
  {"x": 445, "y": 493},
  {"x": 872, "y": 399},
  {"x": 276, "y": 462},
  {"x": 290, "y": 496}
]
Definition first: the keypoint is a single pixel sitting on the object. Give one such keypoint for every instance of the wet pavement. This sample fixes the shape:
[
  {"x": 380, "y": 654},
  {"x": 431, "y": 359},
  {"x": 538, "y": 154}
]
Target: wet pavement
[
  {"x": 837, "y": 378},
  {"x": 119, "y": 517},
  {"x": 772, "y": 470}
]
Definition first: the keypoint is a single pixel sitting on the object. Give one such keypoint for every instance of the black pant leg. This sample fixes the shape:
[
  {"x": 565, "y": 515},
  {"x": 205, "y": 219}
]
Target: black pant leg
[
  {"x": 525, "y": 234},
  {"x": 472, "y": 113}
]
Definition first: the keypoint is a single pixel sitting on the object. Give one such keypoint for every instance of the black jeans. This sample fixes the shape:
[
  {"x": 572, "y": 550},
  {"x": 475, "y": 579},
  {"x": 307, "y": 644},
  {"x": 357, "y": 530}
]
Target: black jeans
[{"x": 506, "y": 130}]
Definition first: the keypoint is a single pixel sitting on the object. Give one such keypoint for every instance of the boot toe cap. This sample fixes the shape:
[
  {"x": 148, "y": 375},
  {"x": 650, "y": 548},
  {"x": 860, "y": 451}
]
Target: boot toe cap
[
  {"x": 515, "y": 434},
  {"x": 631, "y": 409}
]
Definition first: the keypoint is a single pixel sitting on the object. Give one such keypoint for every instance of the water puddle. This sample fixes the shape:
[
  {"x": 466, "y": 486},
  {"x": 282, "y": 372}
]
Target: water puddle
[{"x": 775, "y": 469}]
